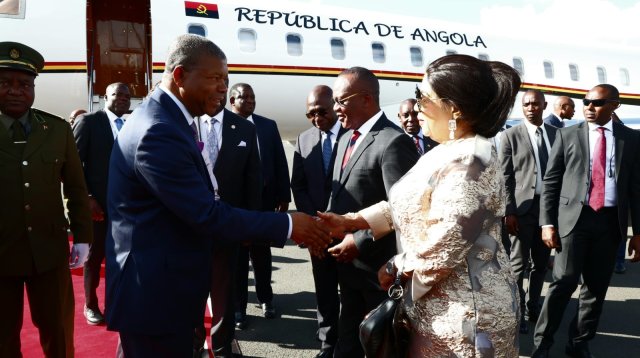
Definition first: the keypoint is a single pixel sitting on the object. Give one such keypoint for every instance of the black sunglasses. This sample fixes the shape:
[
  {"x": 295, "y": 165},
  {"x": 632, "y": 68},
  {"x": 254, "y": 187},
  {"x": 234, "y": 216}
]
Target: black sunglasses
[
  {"x": 319, "y": 113},
  {"x": 598, "y": 102}
]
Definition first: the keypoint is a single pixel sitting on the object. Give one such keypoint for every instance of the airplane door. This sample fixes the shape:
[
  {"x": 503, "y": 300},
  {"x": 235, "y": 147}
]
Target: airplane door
[{"x": 119, "y": 45}]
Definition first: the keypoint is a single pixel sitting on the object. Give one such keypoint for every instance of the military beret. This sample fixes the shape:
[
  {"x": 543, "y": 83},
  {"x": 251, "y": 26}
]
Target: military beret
[{"x": 21, "y": 57}]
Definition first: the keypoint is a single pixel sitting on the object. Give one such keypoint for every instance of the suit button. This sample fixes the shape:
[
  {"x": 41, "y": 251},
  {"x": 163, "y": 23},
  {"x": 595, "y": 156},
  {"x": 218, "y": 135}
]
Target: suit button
[
  {"x": 25, "y": 163},
  {"x": 29, "y": 229},
  {"x": 27, "y": 207},
  {"x": 26, "y": 185}
]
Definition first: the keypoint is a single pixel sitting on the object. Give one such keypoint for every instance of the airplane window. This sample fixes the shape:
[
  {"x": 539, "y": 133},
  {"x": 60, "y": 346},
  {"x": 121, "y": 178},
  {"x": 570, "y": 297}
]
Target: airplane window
[
  {"x": 197, "y": 29},
  {"x": 548, "y": 69},
  {"x": 416, "y": 56},
  {"x": 624, "y": 77},
  {"x": 483, "y": 56},
  {"x": 12, "y": 9},
  {"x": 294, "y": 45},
  {"x": 337, "y": 49},
  {"x": 573, "y": 72},
  {"x": 602, "y": 74},
  {"x": 451, "y": 52},
  {"x": 377, "y": 50},
  {"x": 247, "y": 40},
  {"x": 518, "y": 65}
]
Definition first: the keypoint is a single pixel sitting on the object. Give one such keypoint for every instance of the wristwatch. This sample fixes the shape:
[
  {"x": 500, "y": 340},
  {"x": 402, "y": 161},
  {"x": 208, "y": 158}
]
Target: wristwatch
[{"x": 390, "y": 268}]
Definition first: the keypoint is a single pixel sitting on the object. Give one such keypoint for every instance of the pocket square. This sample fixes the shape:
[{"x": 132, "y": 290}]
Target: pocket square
[{"x": 242, "y": 144}]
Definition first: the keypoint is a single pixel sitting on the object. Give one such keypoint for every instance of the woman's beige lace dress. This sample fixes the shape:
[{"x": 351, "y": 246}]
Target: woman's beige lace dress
[{"x": 447, "y": 212}]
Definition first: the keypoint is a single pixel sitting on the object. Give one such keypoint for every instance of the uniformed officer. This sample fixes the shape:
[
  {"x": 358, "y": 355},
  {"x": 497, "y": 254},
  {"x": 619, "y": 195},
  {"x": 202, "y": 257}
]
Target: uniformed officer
[{"x": 37, "y": 154}]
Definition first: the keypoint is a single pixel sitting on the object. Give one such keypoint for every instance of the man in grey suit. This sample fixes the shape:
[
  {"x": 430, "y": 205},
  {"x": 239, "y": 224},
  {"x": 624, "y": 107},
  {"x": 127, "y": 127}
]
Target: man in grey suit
[
  {"x": 311, "y": 186},
  {"x": 370, "y": 158},
  {"x": 233, "y": 157},
  {"x": 591, "y": 186},
  {"x": 563, "y": 108},
  {"x": 94, "y": 134},
  {"x": 524, "y": 152}
]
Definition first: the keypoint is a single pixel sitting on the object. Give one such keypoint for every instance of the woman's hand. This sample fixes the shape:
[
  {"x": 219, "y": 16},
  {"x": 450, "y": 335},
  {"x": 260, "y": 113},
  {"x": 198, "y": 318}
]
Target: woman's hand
[{"x": 339, "y": 225}]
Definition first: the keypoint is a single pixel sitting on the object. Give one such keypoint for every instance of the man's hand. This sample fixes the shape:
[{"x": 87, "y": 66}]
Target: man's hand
[
  {"x": 550, "y": 237},
  {"x": 511, "y": 222},
  {"x": 634, "y": 248},
  {"x": 309, "y": 231},
  {"x": 97, "y": 214},
  {"x": 346, "y": 251},
  {"x": 282, "y": 207},
  {"x": 79, "y": 254}
]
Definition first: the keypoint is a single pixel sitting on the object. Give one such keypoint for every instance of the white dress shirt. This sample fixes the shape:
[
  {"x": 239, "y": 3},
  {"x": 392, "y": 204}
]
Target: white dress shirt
[
  {"x": 365, "y": 128},
  {"x": 112, "y": 122},
  {"x": 334, "y": 134}
]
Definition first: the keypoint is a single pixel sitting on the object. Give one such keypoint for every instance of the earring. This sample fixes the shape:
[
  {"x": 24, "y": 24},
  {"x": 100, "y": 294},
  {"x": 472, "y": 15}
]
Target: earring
[{"x": 452, "y": 128}]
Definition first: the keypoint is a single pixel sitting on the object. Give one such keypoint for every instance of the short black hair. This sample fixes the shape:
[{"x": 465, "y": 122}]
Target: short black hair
[
  {"x": 366, "y": 78},
  {"x": 187, "y": 49}
]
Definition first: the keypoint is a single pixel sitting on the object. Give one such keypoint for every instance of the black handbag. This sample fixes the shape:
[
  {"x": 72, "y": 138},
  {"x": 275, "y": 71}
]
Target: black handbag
[{"x": 384, "y": 332}]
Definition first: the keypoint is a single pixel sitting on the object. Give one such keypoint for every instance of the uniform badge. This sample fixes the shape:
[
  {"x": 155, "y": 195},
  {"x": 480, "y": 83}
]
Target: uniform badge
[
  {"x": 233, "y": 126},
  {"x": 14, "y": 53}
]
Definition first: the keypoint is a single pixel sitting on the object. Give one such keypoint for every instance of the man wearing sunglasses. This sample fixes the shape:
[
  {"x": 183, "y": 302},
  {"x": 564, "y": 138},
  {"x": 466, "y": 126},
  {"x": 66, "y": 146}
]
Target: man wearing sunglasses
[
  {"x": 370, "y": 158},
  {"x": 590, "y": 188},
  {"x": 311, "y": 186}
]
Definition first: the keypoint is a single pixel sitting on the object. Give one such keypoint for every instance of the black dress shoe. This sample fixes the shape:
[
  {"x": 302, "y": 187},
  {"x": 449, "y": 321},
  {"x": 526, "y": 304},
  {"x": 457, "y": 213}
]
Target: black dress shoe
[
  {"x": 241, "y": 320},
  {"x": 578, "y": 352},
  {"x": 524, "y": 326},
  {"x": 325, "y": 353},
  {"x": 268, "y": 311},
  {"x": 540, "y": 353}
]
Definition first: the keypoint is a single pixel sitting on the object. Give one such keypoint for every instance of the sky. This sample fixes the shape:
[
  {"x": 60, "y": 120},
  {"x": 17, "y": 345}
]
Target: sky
[{"x": 608, "y": 21}]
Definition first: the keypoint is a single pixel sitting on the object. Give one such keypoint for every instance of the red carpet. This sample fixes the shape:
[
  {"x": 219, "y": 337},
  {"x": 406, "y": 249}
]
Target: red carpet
[{"x": 90, "y": 341}]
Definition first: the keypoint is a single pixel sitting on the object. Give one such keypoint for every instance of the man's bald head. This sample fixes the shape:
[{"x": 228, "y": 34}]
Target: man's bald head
[
  {"x": 320, "y": 108},
  {"x": 564, "y": 107}
]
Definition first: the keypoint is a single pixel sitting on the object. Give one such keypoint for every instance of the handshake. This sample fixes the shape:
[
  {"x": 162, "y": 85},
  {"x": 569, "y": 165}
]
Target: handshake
[{"x": 320, "y": 231}]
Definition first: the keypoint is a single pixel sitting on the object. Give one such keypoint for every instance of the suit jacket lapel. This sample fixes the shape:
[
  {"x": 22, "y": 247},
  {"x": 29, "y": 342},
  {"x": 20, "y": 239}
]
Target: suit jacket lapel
[
  {"x": 337, "y": 165},
  {"x": 551, "y": 134},
  {"x": 524, "y": 138},
  {"x": 39, "y": 131},
  {"x": 583, "y": 142},
  {"x": 5, "y": 141},
  {"x": 105, "y": 127},
  {"x": 229, "y": 140},
  {"x": 618, "y": 137}
]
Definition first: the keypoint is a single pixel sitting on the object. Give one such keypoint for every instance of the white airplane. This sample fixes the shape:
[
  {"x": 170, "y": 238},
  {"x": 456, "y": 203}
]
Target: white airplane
[{"x": 283, "y": 49}]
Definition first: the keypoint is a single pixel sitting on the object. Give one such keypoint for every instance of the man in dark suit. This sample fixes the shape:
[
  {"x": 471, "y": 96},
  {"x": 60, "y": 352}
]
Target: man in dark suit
[
  {"x": 236, "y": 165},
  {"x": 163, "y": 213},
  {"x": 311, "y": 186},
  {"x": 370, "y": 158},
  {"x": 590, "y": 189},
  {"x": 563, "y": 108},
  {"x": 524, "y": 152},
  {"x": 276, "y": 196},
  {"x": 94, "y": 134},
  {"x": 408, "y": 118},
  {"x": 37, "y": 156}
]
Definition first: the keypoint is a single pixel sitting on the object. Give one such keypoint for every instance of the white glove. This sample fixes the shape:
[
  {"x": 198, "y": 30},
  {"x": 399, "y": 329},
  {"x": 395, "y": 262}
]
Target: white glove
[{"x": 79, "y": 254}]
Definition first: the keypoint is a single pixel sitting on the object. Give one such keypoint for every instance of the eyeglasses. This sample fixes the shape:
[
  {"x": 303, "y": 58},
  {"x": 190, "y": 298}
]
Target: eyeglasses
[
  {"x": 342, "y": 102},
  {"x": 312, "y": 114},
  {"x": 421, "y": 97},
  {"x": 598, "y": 102}
]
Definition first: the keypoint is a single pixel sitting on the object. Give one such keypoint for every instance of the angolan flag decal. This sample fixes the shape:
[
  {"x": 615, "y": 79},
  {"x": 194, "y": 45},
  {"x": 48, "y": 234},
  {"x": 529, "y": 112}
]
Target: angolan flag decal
[{"x": 201, "y": 9}]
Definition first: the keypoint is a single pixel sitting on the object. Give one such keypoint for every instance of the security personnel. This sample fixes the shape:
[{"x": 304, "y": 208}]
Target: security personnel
[{"x": 37, "y": 154}]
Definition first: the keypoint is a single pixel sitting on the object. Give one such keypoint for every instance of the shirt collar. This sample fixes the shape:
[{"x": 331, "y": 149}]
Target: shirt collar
[
  {"x": 608, "y": 126},
  {"x": 335, "y": 129},
  {"x": 419, "y": 134},
  {"x": 366, "y": 126},
  {"x": 184, "y": 110},
  {"x": 532, "y": 128},
  {"x": 112, "y": 116}
]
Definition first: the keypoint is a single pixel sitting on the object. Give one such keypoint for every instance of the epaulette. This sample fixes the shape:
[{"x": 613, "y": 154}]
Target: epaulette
[{"x": 39, "y": 112}]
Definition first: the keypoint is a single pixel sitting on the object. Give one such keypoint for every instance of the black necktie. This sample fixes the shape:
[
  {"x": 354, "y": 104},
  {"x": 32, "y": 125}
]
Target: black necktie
[
  {"x": 18, "y": 132},
  {"x": 543, "y": 155}
]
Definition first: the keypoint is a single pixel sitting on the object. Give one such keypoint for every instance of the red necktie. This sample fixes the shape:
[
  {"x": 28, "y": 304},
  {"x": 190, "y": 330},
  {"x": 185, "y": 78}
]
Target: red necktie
[
  {"x": 347, "y": 153},
  {"x": 416, "y": 140},
  {"x": 596, "y": 192}
]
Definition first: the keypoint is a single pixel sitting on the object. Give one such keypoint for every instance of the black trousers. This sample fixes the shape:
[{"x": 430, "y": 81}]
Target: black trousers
[
  {"x": 528, "y": 245},
  {"x": 260, "y": 256},
  {"x": 325, "y": 278},
  {"x": 51, "y": 302},
  {"x": 176, "y": 345},
  {"x": 224, "y": 261},
  {"x": 93, "y": 264},
  {"x": 588, "y": 251}
]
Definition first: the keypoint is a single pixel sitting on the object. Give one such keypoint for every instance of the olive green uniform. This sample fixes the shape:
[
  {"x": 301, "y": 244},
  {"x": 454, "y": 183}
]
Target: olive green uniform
[{"x": 34, "y": 247}]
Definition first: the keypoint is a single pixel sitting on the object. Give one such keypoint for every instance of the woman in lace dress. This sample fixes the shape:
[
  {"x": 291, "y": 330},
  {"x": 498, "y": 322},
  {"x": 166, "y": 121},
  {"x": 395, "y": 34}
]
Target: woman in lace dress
[{"x": 447, "y": 213}]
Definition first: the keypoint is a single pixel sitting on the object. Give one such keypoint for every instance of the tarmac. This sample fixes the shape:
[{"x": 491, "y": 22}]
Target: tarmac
[{"x": 293, "y": 332}]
